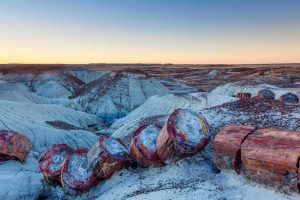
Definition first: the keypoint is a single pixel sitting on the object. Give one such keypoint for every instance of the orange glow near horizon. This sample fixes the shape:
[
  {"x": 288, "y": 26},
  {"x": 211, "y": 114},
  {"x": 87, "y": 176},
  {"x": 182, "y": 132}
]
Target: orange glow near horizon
[{"x": 45, "y": 33}]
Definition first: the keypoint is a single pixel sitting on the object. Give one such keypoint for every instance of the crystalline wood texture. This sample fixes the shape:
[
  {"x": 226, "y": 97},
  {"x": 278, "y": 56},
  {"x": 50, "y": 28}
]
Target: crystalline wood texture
[
  {"x": 227, "y": 145},
  {"x": 14, "y": 145},
  {"x": 143, "y": 146},
  {"x": 52, "y": 161},
  {"x": 272, "y": 157},
  {"x": 185, "y": 134},
  {"x": 114, "y": 158}
]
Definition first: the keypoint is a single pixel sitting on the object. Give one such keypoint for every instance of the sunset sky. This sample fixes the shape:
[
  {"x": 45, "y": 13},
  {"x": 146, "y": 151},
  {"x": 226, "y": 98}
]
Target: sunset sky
[{"x": 149, "y": 31}]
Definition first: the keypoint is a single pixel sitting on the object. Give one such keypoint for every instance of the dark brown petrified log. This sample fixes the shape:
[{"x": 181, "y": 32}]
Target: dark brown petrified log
[
  {"x": 272, "y": 157},
  {"x": 143, "y": 146},
  {"x": 243, "y": 95},
  {"x": 14, "y": 145},
  {"x": 52, "y": 161},
  {"x": 227, "y": 146},
  {"x": 185, "y": 134}
]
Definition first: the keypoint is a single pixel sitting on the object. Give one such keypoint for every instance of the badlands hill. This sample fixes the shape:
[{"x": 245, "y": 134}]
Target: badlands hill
[{"x": 74, "y": 104}]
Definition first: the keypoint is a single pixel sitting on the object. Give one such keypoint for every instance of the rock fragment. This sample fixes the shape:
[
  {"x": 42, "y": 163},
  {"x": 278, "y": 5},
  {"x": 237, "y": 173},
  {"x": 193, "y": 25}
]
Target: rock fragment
[
  {"x": 14, "y": 145},
  {"x": 185, "y": 134}
]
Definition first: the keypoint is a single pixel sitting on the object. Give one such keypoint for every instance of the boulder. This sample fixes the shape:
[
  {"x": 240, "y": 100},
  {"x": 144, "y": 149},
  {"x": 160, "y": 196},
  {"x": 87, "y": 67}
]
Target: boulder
[
  {"x": 185, "y": 134},
  {"x": 289, "y": 98},
  {"x": 266, "y": 94},
  {"x": 14, "y": 145},
  {"x": 272, "y": 157},
  {"x": 52, "y": 161},
  {"x": 143, "y": 146},
  {"x": 227, "y": 145}
]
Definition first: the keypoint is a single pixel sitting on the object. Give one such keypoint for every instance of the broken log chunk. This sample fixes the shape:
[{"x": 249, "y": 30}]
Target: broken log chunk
[
  {"x": 14, "y": 146},
  {"x": 115, "y": 156},
  {"x": 266, "y": 94},
  {"x": 289, "y": 98},
  {"x": 185, "y": 134},
  {"x": 227, "y": 145},
  {"x": 272, "y": 157},
  {"x": 52, "y": 161},
  {"x": 143, "y": 146}
]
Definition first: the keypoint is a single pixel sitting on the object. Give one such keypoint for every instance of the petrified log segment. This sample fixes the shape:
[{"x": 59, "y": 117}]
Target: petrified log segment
[
  {"x": 52, "y": 161},
  {"x": 115, "y": 156},
  {"x": 272, "y": 157},
  {"x": 289, "y": 98},
  {"x": 243, "y": 95},
  {"x": 266, "y": 94},
  {"x": 227, "y": 146},
  {"x": 184, "y": 134},
  {"x": 143, "y": 146},
  {"x": 14, "y": 145},
  {"x": 79, "y": 173}
]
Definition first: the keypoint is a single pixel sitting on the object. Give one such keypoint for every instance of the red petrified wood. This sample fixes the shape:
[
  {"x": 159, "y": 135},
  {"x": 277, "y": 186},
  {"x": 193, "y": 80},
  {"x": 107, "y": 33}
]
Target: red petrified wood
[
  {"x": 185, "y": 134},
  {"x": 272, "y": 157},
  {"x": 115, "y": 156},
  {"x": 143, "y": 146},
  {"x": 79, "y": 174},
  {"x": 228, "y": 146},
  {"x": 52, "y": 161},
  {"x": 14, "y": 145}
]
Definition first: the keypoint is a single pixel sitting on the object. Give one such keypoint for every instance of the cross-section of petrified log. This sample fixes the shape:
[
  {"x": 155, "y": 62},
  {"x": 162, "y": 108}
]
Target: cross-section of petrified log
[
  {"x": 227, "y": 146},
  {"x": 52, "y": 161},
  {"x": 184, "y": 134},
  {"x": 266, "y": 94},
  {"x": 79, "y": 173},
  {"x": 289, "y": 98},
  {"x": 14, "y": 145},
  {"x": 115, "y": 156},
  {"x": 143, "y": 146},
  {"x": 272, "y": 157}
]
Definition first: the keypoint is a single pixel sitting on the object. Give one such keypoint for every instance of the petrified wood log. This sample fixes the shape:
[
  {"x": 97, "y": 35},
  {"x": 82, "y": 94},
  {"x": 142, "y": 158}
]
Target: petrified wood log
[
  {"x": 289, "y": 98},
  {"x": 266, "y": 94},
  {"x": 79, "y": 174},
  {"x": 14, "y": 145},
  {"x": 272, "y": 157},
  {"x": 115, "y": 156},
  {"x": 243, "y": 95},
  {"x": 52, "y": 161},
  {"x": 143, "y": 146},
  {"x": 227, "y": 146},
  {"x": 184, "y": 134}
]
